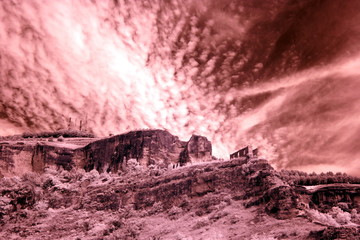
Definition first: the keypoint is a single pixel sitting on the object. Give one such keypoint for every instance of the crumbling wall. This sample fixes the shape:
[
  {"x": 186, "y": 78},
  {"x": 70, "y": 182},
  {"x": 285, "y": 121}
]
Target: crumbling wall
[{"x": 245, "y": 152}]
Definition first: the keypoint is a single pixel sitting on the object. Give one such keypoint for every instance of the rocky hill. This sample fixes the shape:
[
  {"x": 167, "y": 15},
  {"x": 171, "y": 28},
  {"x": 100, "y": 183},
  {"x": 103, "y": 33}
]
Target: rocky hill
[
  {"x": 148, "y": 147},
  {"x": 150, "y": 185}
]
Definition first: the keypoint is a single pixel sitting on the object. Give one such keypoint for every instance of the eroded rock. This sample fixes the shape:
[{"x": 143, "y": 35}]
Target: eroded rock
[
  {"x": 148, "y": 147},
  {"x": 348, "y": 233},
  {"x": 197, "y": 149}
]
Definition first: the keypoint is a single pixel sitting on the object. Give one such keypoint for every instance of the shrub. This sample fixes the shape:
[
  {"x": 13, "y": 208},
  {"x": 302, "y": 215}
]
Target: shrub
[
  {"x": 322, "y": 218},
  {"x": 56, "y": 134},
  {"x": 174, "y": 212},
  {"x": 156, "y": 208},
  {"x": 340, "y": 216},
  {"x": 201, "y": 223}
]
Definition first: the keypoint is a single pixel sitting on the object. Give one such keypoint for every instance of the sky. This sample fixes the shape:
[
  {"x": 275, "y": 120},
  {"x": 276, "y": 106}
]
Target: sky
[{"x": 279, "y": 75}]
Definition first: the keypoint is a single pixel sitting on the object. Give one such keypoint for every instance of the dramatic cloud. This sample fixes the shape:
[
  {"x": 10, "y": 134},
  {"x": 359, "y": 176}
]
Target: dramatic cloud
[{"x": 281, "y": 75}]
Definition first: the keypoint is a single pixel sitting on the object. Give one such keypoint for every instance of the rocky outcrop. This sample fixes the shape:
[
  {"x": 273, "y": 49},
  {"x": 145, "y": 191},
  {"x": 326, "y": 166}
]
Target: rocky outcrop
[
  {"x": 148, "y": 147},
  {"x": 324, "y": 197},
  {"x": 15, "y": 158},
  {"x": 157, "y": 147},
  {"x": 241, "y": 179},
  {"x": 202, "y": 191},
  {"x": 264, "y": 186},
  {"x": 197, "y": 149},
  {"x": 78, "y": 204},
  {"x": 333, "y": 194},
  {"x": 348, "y": 233}
]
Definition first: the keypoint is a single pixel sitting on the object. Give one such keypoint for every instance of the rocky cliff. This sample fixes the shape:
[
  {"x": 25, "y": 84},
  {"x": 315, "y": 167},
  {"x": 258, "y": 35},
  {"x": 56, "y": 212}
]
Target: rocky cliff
[
  {"x": 206, "y": 194},
  {"x": 148, "y": 147},
  {"x": 140, "y": 185},
  {"x": 197, "y": 149},
  {"x": 15, "y": 158},
  {"x": 324, "y": 197}
]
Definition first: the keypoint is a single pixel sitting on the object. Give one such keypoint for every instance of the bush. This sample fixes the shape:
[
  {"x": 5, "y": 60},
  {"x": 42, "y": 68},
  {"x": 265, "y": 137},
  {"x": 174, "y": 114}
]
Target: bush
[
  {"x": 56, "y": 134},
  {"x": 335, "y": 217},
  {"x": 202, "y": 222},
  {"x": 340, "y": 216},
  {"x": 174, "y": 212},
  {"x": 133, "y": 166},
  {"x": 321, "y": 218}
]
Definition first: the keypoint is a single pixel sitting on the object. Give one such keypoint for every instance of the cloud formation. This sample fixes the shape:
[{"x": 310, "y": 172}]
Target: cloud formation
[{"x": 237, "y": 72}]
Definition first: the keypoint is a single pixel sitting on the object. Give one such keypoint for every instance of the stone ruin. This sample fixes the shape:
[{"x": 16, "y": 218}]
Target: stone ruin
[{"x": 246, "y": 152}]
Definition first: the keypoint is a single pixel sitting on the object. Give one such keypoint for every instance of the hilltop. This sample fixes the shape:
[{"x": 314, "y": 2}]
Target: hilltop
[{"x": 150, "y": 185}]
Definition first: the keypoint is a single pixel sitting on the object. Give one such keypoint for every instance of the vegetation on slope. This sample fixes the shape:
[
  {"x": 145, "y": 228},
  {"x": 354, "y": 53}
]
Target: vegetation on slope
[
  {"x": 50, "y": 134},
  {"x": 295, "y": 177}
]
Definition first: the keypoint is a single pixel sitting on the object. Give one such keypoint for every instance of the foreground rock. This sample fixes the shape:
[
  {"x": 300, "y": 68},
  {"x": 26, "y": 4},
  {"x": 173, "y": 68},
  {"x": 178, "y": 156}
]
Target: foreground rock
[
  {"x": 336, "y": 233},
  {"x": 238, "y": 199}
]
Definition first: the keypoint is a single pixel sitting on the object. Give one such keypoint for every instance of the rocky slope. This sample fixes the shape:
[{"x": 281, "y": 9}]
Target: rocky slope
[
  {"x": 140, "y": 198},
  {"x": 238, "y": 199},
  {"x": 42, "y": 206}
]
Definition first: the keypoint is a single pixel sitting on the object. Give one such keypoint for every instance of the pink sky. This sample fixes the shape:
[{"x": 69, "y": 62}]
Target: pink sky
[{"x": 200, "y": 67}]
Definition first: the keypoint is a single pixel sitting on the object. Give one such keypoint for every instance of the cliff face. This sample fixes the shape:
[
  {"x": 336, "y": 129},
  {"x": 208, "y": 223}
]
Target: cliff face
[
  {"x": 324, "y": 197},
  {"x": 197, "y": 149},
  {"x": 15, "y": 159},
  {"x": 237, "y": 199},
  {"x": 22, "y": 157},
  {"x": 148, "y": 147}
]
